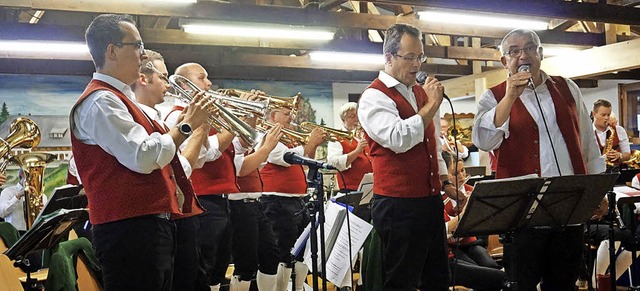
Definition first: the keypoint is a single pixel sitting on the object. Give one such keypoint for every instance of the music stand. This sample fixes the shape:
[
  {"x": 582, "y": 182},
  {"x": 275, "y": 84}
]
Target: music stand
[
  {"x": 626, "y": 175},
  {"x": 67, "y": 197},
  {"x": 45, "y": 233},
  {"x": 630, "y": 201},
  {"x": 505, "y": 206},
  {"x": 353, "y": 199}
]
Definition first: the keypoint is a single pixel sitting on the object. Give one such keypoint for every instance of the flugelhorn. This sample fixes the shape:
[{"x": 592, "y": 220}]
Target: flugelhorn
[
  {"x": 227, "y": 120},
  {"x": 332, "y": 133},
  {"x": 274, "y": 102},
  {"x": 33, "y": 165},
  {"x": 23, "y": 133}
]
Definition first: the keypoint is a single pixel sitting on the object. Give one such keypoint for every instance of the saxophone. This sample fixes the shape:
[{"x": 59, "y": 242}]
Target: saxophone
[{"x": 609, "y": 147}]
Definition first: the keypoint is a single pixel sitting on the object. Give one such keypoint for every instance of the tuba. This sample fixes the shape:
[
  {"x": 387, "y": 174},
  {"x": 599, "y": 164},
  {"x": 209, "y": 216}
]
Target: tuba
[
  {"x": 23, "y": 133},
  {"x": 33, "y": 165}
]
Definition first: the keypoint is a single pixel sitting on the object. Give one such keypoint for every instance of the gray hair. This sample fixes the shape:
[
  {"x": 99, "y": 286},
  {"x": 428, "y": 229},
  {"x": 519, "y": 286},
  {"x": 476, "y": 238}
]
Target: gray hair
[
  {"x": 346, "y": 108},
  {"x": 515, "y": 32},
  {"x": 394, "y": 34}
]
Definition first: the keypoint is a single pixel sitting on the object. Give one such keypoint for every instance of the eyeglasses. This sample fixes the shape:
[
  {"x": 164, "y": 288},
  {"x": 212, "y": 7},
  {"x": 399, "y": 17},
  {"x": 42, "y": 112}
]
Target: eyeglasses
[
  {"x": 530, "y": 49},
  {"x": 421, "y": 58},
  {"x": 138, "y": 44}
]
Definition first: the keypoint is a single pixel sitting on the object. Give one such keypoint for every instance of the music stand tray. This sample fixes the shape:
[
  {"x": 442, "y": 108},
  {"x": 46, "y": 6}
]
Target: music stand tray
[
  {"x": 67, "y": 197},
  {"x": 506, "y": 205},
  {"x": 46, "y": 232}
]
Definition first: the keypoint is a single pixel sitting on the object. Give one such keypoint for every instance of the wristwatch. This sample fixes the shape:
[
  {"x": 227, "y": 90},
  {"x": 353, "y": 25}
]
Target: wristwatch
[
  {"x": 445, "y": 183},
  {"x": 185, "y": 129}
]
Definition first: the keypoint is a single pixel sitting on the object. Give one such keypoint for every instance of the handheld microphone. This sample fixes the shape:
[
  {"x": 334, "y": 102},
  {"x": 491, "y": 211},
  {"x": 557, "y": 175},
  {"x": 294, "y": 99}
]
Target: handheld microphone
[
  {"x": 293, "y": 158},
  {"x": 421, "y": 77},
  {"x": 527, "y": 68}
]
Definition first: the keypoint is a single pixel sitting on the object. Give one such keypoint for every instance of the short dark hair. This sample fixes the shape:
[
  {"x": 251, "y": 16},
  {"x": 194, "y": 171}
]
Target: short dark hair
[
  {"x": 600, "y": 103},
  {"x": 394, "y": 34},
  {"x": 151, "y": 56},
  {"x": 104, "y": 30}
]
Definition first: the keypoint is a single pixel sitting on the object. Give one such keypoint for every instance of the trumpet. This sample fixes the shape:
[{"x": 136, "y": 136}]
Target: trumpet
[
  {"x": 332, "y": 133},
  {"x": 23, "y": 133},
  {"x": 227, "y": 120},
  {"x": 289, "y": 136},
  {"x": 274, "y": 102}
]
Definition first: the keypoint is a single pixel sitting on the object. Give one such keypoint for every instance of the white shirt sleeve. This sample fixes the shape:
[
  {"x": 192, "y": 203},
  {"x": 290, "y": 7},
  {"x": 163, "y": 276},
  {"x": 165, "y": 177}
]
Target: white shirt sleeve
[
  {"x": 102, "y": 119},
  {"x": 276, "y": 156},
  {"x": 379, "y": 117},
  {"x": 8, "y": 200},
  {"x": 485, "y": 135},
  {"x": 625, "y": 145},
  {"x": 635, "y": 183},
  {"x": 336, "y": 156}
]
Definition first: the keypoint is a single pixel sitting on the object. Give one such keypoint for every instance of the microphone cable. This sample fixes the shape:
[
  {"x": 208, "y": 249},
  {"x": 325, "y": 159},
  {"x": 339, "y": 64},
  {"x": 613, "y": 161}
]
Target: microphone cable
[{"x": 546, "y": 126}]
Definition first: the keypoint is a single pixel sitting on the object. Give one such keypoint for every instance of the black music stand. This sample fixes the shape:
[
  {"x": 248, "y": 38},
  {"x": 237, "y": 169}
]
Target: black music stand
[
  {"x": 45, "y": 233},
  {"x": 505, "y": 206},
  {"x": 626, "y": 175},
  {"x": 67, "y": 197}
]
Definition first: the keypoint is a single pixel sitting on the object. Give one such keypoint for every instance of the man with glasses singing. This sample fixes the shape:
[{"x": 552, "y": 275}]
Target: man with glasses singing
[
  {"x": 401, "y": 124},
  {"x": 557, "y": 141},
  {"x": 129, "y": 166}
]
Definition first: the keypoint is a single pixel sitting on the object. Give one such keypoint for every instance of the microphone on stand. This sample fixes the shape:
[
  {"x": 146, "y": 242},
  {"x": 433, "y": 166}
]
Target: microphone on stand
[
  {"x": 527, "y": 68},
  {"x": 293, "y": 158},
  {"x": 421, "y": 77}
]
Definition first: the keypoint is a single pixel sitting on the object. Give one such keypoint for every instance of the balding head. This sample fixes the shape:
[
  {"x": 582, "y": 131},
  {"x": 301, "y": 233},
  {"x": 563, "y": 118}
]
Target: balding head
[{"x": 196, "y": 74}]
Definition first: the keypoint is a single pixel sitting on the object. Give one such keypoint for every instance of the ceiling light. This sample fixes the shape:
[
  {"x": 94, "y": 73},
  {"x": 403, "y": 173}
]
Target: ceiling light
[
  {"x": 344, "y": 57},
  {"x": 481, "y": 20},
  {"x": 259, "y": 31},
  {"x": 44, "y": 49}
]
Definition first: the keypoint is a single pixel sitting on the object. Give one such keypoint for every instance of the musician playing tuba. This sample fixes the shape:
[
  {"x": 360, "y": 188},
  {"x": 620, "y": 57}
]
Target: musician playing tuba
[
  {"x": 12, "y": 201},
  {"x": 613, "y": 141}
]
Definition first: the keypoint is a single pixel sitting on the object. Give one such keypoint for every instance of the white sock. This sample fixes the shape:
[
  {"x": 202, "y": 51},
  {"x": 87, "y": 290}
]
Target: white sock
[
  {"x": 283, "y": 276},
  {"x": 623, "y": 262},
  {"x": 215, "y": 287},
  {"x": 266, "y": 282},
  {"x": 301, "y": 275},
  {"x": 237, "y": 285}
]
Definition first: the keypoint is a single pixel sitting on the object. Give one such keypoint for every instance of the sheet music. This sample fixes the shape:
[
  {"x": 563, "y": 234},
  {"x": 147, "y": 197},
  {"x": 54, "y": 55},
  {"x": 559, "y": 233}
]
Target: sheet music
[
  {"x": 338, "y": 259},
  {"x": 366, "y": 187}
]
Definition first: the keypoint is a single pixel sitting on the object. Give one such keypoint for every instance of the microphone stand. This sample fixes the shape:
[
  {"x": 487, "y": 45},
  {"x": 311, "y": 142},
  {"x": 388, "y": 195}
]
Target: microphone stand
[{"x": 316, "y": 209}]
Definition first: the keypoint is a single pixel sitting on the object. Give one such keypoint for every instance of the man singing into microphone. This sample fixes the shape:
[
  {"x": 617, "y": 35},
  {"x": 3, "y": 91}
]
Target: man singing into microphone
[
  {"x": 557, "y": 141},
  {"x": 400, "y": 120}
]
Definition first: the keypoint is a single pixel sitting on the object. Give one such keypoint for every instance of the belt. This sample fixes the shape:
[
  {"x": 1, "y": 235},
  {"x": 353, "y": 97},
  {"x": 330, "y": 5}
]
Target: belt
[
  {"x": 164, "y": 215},
  {"x": 244, "y": 200}
]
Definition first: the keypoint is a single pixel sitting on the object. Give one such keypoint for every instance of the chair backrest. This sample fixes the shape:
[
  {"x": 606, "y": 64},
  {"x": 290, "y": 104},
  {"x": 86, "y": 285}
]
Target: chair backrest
[
  {"x": 87, "y": 280},
  {"x": 8, "y": 279},
  {"x": 494, "y": 247}
]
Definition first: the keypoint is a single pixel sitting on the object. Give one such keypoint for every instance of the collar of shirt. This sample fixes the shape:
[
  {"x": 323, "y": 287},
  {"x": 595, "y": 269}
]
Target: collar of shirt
[
  {"x": 122, "y": 87},
  {"x": 600, "y": 131},
  {"x": 406, "y": 92},
  {"x": 151, "y": 111}
]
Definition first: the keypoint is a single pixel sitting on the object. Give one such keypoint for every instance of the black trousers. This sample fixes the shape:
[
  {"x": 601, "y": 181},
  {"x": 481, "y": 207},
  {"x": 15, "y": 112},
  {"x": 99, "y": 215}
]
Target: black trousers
[
  {"x": 288, "y": 218},
  {"x": 551, "y": 257},
  {"x": 186, "y": 261},
  {"x": 414, "y": 250},
  {"x": 476, "y": 277},
  {"x": 214, "y": 238},
  {"x": 136, "y": 253},
  {"x": 254, "y": 243}
]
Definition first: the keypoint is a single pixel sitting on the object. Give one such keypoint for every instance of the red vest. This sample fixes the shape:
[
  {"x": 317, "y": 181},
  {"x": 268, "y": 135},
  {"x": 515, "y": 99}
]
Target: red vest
[
  {"x": 411, "y": 174},
  {"x": 115, "y": 192},
  {"x": 217, "y": 177},
  {"x": 251, "y": 182},
  {"x": 71, "y": 179},
  {"x": 520, "y": 153},
  {"x": 291, "y": 179},
  {"x": 360, "y": 166}
]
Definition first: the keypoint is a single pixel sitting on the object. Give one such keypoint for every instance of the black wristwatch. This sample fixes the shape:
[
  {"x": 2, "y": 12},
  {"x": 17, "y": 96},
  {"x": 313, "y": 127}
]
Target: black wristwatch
[
  {"x": 446, "y": 182},
  {"x": 185, "y": 129}
]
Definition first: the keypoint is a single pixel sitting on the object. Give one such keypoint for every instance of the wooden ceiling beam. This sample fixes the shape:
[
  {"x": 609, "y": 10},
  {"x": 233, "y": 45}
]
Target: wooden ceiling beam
[
  {"x": 583, "y": 64},
  {"x": 285, "y": 15}
]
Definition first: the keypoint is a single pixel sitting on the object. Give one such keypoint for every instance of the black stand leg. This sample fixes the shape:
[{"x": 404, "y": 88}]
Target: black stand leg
[
  {"x": 634, "y": 255},
  {"x": 612, "y": 240},
  {"x": 509, "y": 240},
  {"x": 24, "y": 264},
  {"x": 316, "y": 211}
]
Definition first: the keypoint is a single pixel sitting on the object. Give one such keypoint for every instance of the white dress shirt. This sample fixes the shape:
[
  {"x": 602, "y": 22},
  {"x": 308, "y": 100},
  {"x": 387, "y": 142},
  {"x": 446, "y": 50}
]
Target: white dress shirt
[
  {"x": 103, "y": 119},
  {"x": 154, "y": 114},
  {"x": 336, "y": 155},
  {"x": 12, "y": 208},
  {"x": 487, "y": 137},
  {"x": 623, "y": 138},
  {"x": 444, "y": 141},
  {"x": 380, "y": 119},
  {"x": 207, "y": 153}
]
